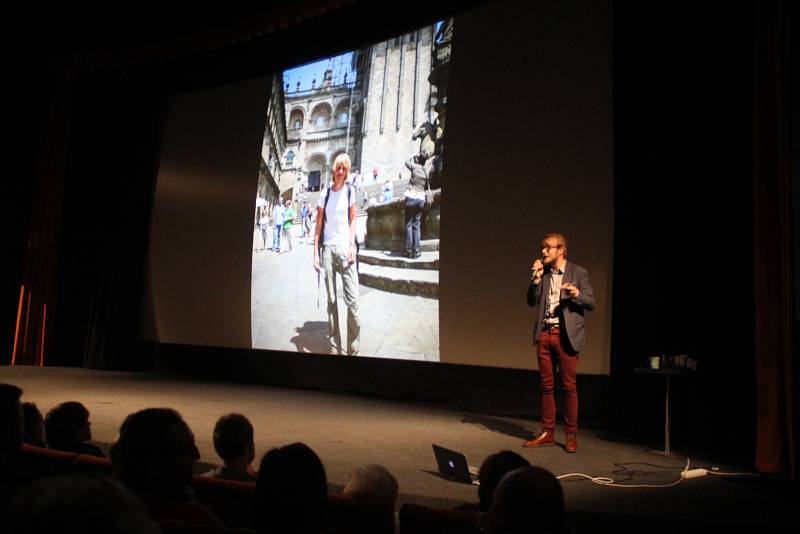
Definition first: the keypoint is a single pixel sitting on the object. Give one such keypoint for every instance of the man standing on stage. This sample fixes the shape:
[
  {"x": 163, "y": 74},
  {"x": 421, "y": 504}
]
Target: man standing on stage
[{"x": 562, "y": 292}]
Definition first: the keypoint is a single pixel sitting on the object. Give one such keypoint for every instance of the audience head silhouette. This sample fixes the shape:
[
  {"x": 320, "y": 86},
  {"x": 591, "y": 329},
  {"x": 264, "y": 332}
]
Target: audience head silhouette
[
  {"x": 493, "y": 469},
  {"x": 291, "y": 491},
  {"x": 233, "y": 441},
  {"x": 76, "y": 504},
  {"x": 67, "y": 426},
  {"x": 372, "y": 484},
  {"x": 34, "y": 424},
  {"x": 526, "y": 498},
  {"x": 12, "y": 424},
  {"x": 154, "y": 454}
]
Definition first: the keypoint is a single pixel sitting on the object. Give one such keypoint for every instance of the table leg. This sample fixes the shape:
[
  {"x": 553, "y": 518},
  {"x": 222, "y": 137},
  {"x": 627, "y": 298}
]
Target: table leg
[
  {"x": 666, "y": 422},
  {"x": 666, "y": 452}
]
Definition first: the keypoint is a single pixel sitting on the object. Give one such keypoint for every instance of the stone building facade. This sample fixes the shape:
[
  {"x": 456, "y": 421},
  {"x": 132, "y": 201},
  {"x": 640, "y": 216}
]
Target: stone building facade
[
  {"x": 323, "y": 122},
  {"x": 397, "y": 100},
  {"x": 372, "y": 118},
  {"x": 273, "y": 146}
]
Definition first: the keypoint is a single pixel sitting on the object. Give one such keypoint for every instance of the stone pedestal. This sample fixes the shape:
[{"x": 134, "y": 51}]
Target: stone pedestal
[{"x": 386, "y": 224}]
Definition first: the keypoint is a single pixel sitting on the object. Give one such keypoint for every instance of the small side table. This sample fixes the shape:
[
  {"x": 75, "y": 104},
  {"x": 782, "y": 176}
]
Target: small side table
[{"x": 667, "y": 372}]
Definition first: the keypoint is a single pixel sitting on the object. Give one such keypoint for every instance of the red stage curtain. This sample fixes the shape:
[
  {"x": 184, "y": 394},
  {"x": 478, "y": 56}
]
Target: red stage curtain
[{"x": 776, "y": 450}]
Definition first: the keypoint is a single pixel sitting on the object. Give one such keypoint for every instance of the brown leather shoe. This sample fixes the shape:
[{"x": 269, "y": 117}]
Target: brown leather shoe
[
  {"x": 572, "y": 443},
  {"x": 545, "y": 438}
]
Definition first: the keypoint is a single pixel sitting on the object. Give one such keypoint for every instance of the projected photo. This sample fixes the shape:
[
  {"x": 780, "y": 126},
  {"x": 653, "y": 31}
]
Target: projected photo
[{"x": 348, "y": 206}]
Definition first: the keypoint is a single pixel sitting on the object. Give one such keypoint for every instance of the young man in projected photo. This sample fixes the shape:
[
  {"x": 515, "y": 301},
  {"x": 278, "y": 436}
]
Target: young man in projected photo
[
  {"x": 562, "y": 292},
  {"x": 336, "y": 231}
]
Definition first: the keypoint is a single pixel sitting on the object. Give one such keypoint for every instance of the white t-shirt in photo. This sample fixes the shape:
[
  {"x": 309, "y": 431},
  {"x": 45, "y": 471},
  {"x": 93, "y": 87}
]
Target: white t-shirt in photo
[{"x": 337, "y": 226}]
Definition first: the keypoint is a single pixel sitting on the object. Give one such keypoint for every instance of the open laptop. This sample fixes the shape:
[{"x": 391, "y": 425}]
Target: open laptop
[{"x": 454, "y": 465}]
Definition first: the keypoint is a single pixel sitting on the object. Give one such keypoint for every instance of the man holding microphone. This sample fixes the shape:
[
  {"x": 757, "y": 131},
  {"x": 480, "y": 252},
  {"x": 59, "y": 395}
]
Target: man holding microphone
[{"x": 562, "y": 292}]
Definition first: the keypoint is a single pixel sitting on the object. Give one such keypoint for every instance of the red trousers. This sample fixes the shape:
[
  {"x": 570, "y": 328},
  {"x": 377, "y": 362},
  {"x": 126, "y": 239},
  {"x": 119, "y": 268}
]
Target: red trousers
[{"x": 550, "y": 352}]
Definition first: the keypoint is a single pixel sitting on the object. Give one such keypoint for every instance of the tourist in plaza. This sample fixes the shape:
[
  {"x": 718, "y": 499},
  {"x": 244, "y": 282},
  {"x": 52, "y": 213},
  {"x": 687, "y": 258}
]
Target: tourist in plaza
[
  {"x": 388, "y": 191},
  {"x": 277, "y": 224},
  {"x": 415, "y": 202},
  {"x": 336, "y": 233},
  {"x": 308, "y": 221},
  {"x": 263, "y": 224},
  {"x": 303, "y": 214},
  {"x": 288, "y": 221}
]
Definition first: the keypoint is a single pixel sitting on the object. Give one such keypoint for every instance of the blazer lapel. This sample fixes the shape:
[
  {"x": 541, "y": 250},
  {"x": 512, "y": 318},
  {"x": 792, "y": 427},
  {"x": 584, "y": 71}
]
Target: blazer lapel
[{"x": 569, "y": 274}]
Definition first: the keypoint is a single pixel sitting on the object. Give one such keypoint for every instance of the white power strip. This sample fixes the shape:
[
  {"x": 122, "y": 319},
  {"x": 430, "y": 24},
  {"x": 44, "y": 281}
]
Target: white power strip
[
  {"x": 685, "y": 474},
  {"x": 694, "y": 473}
]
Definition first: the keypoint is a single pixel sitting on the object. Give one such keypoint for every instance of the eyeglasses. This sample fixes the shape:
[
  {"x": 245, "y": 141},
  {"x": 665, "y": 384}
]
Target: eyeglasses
[{"x": 548, "y": 247}]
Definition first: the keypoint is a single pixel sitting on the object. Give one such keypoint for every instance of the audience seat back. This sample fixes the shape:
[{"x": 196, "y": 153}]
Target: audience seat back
[
  {"x": 41, "y": 462},
  {"x": 348, "y": 516},
  {"x": 230, "y": 500},
  {"x": 418, "y": 519},
  {"x": 93, "y": 465}
]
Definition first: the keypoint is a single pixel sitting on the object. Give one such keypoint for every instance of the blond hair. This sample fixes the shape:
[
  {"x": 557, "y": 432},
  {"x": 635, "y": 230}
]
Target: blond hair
[
  {"x": 342, "y": 160},
  {"x": 374, "y": 484}
]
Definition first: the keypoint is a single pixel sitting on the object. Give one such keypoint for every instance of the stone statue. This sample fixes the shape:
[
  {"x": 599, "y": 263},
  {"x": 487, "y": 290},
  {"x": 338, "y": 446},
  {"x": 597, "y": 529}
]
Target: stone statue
[
  {"x": 426, "y": 133},
  {"x": 430, "y": 149}
]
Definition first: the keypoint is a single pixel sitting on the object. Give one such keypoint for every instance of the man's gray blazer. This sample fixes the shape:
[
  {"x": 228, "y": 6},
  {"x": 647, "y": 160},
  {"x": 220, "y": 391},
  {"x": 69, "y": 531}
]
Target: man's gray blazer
[{"x": 570, "y": 311}]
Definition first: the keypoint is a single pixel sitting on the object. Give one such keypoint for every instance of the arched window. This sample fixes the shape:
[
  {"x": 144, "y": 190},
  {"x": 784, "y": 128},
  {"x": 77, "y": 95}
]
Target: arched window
[
  {"x": 343, "y": 118},
  {"x": 289, "y": 157},
  {"x": 296, "y": 119},
  {"x": 321, "y": 116}
]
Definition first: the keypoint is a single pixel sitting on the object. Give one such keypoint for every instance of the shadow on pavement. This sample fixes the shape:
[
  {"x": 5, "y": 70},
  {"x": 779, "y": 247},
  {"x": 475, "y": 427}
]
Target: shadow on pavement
[
  {"x": 312, "y": 337},
  {"x": 498, "y": 425}
]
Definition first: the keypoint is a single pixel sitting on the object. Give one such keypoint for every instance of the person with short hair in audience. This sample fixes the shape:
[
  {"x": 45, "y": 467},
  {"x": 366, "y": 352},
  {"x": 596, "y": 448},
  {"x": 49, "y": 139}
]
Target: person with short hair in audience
[
  {"x": 374, "y": 486},
  {"x": 67, "y": 428},
  {"x": 154, "y": 457},
  {"x": 233, "y": 441},
  {"x": 291, "y": 491},
  {"x": 528, "y": 499},
  {"x": 492, "y": 470},
  {"x": 34, "y": 425},
  {"x": 76, "y": 504}
]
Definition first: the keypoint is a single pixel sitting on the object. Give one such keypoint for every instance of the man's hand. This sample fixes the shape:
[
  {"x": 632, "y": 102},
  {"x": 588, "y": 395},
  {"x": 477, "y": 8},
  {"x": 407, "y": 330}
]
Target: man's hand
[
  {"x": 573, "y": 291},
  {"x": 537, "y": 270},
  {"x": 316, "y": 263},
  {"x": 351, "y": 256}
]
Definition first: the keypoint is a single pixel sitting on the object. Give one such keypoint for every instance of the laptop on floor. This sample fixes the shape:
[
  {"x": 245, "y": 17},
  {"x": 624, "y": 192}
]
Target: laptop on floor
[{"x": 454, "y": 464}]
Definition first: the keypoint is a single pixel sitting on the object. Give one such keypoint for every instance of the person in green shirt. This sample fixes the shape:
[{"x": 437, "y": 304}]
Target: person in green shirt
[{"x": 288, "y": 219}]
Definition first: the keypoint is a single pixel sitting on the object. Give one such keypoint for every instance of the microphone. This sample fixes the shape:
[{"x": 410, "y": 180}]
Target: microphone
[{"x": 534, "y": 270}]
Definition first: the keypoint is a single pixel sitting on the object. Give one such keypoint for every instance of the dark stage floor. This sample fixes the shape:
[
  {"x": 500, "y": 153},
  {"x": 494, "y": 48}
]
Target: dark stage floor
[{"x": 348, "y": 431}]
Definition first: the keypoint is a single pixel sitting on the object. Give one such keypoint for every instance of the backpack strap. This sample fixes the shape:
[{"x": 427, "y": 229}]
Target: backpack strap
[
  {"x": 349, "y": 199},
  {"x": 325, "y": 207}
]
